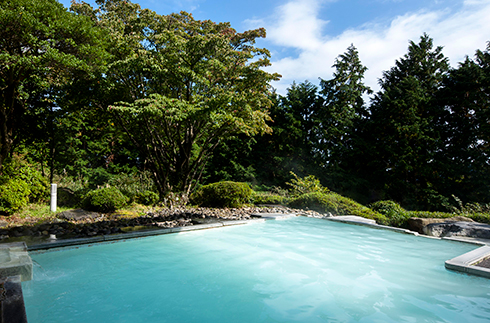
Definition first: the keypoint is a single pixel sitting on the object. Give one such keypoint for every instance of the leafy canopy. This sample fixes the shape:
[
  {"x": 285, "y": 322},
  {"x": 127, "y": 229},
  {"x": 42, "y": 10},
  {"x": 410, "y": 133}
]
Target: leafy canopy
[{"x": 186, "y": 85}]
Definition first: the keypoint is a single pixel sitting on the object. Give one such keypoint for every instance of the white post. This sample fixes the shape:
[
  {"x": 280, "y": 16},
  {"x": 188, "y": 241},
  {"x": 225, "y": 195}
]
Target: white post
[{"x": 53, "y": 197}]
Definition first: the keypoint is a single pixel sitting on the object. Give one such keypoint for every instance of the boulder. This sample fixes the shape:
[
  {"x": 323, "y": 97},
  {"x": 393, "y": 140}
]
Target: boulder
[
  {"x": 78, "y": 215},
  {"x": 458, "y": 229},
  {"x": 418, "y": 224}
]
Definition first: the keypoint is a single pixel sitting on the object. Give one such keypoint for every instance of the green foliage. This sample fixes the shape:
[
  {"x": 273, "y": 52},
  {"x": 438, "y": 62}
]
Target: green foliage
[
  {"x": 66, "y": 197},
  {"x": 132, "y": 184},
  {"x": 468, "y": 208},
  {"x": 269, "y": 198},
  {"x": 335, "y": 204},
  {"x": 199, "y": 82},
  {"x": 308, "y": 184},
  {"x": 223, "y": 194},
  {"x": 395, "y": 214},
  {"x": 466, "y": 137},
  {"x": 107, "y": 199},
  {"x": 340, "y": 117},
  {"x": 477, "y": 217},
  {"x": 428, "y": 214},
  {"x": 18, "y": 168},
  {"x": 55, "y": 45},
  {"x": 98, "y": 177},
  {"x": 403, "y": 130},
  {"x": 146, "y": 198},
  {"x": 14, "y": 195}
]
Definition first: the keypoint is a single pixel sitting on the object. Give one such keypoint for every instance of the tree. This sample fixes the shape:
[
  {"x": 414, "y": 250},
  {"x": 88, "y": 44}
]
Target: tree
[
  {"x": 185, "y": 86},
  {"x": 41, "y": 46},
  {"x": 404, "y": 127},
  {"x": 290, "y": 147},
  {"x": 339, "y": 117},
  {"x": 466, "y": 133}
]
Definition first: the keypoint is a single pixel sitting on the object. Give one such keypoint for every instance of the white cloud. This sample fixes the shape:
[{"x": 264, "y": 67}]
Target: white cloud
[{"x": 298, "y": 26}]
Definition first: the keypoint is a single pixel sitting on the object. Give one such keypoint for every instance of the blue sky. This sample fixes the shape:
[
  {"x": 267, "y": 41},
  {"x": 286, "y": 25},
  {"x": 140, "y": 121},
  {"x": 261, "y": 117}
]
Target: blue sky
[{"x": 305, "y": 36}]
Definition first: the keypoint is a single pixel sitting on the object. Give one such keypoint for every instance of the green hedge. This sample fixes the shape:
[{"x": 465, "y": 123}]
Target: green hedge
[
  {"x": 14, "y": 195},
  {"x": 335, "y": 204},
  {"x": 104, "y": 200},
  {"x": 223, "y": 194},
  {"x": 267, "y": 198},
  {"x": 396, "y": 215}
]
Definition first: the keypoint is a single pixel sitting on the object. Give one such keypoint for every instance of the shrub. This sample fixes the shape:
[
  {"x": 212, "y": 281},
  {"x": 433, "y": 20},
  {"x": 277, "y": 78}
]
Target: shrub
[
  {"x": 14, "y": 195},
  {"x": 66, "y": 197},
  {"x": 223, "y": 194},
  {"x": 478, "y": 217},
  {"x": 268, "y": 198},
  {"x": 106, "y": 199},
  {"x": 133, "y": 183},
  {"x": 395, "y": 214},
  {"x": 98, "y": 177},
  {"x": 308, "y": 184},
  {"x": 18, "y": 168},
  {"x": 146, "y": 198},
  {"x": 468, "y": 208},
  {"x": 335, "y": 204}
]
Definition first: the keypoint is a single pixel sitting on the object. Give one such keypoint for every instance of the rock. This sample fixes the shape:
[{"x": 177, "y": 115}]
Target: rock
[
  {"x": 3, "y": 223},
  {"x": 458, "y": 229},
  {"x": 78, "y": 215},
  {"x": 418, "y": 224}
]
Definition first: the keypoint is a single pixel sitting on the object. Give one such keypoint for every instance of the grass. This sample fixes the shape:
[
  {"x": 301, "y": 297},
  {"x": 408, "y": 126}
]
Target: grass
[{"x": 36, "y": 213}]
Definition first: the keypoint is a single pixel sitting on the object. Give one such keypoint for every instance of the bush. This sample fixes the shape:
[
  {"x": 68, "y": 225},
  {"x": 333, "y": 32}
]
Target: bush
[
  {"x": 18, "y": 168},
  {"x": 104, "y": 200},
  {"x": 133, "y": 184},
  {"x": 98, "y": 177},
  {"x": 146, "y": 198},
  {"x": 14, "y": 195},
  {"x": 478, "y": 217},
  {"x": 268, "y": 198},
  {"x": 395, "y": 214},
  {"x": 308, "y": 184},
  {"x": 335, "y": 204},
  {"x": 223, "y": 194},
  {"x": 66, "y": 197}
]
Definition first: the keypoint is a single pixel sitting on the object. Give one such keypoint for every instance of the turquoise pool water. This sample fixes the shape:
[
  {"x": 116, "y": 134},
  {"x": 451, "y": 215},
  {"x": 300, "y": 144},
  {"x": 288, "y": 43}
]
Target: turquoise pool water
[{"x": 295, "y": 270}]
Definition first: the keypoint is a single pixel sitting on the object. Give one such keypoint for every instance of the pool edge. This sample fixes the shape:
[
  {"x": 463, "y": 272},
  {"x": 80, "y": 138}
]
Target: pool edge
[
  {"x": 464, "y": 263},
  {"x": 135, "y": 234}
]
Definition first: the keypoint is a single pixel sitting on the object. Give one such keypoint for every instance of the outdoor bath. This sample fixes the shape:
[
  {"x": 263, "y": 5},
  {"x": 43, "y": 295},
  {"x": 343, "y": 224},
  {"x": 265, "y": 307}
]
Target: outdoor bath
[{"x": 296, "y": 270}]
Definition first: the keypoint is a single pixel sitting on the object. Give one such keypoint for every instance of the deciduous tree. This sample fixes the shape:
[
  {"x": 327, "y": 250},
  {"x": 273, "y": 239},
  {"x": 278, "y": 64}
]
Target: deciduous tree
[{"x": 188, "y": 84}]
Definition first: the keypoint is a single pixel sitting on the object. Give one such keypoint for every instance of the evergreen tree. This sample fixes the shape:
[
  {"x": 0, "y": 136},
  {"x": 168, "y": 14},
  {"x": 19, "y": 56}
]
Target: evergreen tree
[
  {"x": 404, "y": 127},
  {"x": 466, "y": 134},
  {"x": 339, "y": 117}
]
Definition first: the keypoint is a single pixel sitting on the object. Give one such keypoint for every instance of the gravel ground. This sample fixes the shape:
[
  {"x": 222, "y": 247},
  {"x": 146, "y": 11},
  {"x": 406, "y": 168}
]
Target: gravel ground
[{"x": 485, "y": 263}]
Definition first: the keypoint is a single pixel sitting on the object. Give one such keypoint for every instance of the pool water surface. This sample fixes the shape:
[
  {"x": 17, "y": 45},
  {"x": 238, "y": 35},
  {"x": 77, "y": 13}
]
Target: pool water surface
[{"x": 295, "y": 270}]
